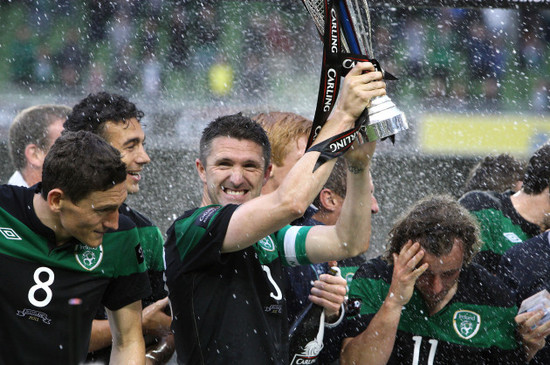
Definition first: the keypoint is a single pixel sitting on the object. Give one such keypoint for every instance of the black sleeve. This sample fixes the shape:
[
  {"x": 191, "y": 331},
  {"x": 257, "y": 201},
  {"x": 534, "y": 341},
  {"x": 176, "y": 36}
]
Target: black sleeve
[
  {"x": 126, "y": 290},
  {"x": 208, "y": 251}
]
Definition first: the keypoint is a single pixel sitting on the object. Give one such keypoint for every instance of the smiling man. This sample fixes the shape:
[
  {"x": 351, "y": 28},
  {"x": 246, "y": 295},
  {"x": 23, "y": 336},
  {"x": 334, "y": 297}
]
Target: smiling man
[
  {"x": 117, "y": 120},
  {"x": 63, "y": 239},
  {"x": 424, "y": 302},
  {"x": 224, "y": 260}
]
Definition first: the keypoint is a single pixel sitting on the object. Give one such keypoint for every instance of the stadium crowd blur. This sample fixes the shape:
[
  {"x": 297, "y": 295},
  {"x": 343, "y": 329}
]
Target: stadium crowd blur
[{"x": 450, "y": 58}]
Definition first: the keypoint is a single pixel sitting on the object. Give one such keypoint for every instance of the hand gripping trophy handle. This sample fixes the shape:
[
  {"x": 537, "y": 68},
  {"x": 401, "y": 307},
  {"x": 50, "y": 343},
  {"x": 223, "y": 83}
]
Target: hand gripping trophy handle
[{"x": 382, "y": 118}]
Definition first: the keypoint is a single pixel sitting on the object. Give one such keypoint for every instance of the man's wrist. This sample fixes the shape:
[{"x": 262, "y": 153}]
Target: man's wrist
[
  {"x": 339, "y": 320},
  {"x": 391, "y": 304},
  {"x": 356, "y": 169},
  {"x": 344, "y": 118}
]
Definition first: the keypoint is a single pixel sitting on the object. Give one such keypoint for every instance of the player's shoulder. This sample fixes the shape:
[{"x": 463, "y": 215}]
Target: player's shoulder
[
  {"x": 480, "y": 286},
  {"x": 125, "y": 224},
  {"x": 479, "y": 200},
  {"x": 204, "y": 216},
  {"x": 12, "y": 196},
  {"x": 197, "y": 216},
  {"x": 531, "y": 248},
  {"x": 139, "y": 219},
  {"x": 16, "y": 201},
  {"x": 375, "y": 268}
]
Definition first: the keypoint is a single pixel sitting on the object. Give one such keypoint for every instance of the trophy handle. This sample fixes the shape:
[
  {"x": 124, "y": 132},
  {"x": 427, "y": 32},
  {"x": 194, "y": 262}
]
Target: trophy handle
[{"x": 382, "y": 119}]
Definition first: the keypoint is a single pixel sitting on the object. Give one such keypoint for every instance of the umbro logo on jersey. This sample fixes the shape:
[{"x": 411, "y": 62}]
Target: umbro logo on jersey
[
  {"x": 466, "y": 323},
  {"x": 10, "y": 234},
  {"x": 512, "y": 237},
  {"x": 88, "y": 257}
]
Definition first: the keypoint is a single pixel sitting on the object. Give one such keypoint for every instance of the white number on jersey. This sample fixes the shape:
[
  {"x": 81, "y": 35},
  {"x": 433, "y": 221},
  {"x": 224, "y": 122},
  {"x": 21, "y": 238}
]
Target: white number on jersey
[
  {"x": 41, "y": 285},
  {"x": 416, "y": 354},
  {"x": 278, "y": 294}
]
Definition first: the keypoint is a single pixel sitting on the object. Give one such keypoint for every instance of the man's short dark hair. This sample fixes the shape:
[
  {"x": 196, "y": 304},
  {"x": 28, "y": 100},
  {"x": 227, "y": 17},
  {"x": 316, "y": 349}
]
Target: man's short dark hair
[
  {"x": 92, "y": 112},
  {"x": 80, "y": 163},
  {"x": 495, "y": 173},
  {"x": 30, "y": 126},
  {"x": 537, "y": 175},
  {"x": 234, "y": 126},
  {"x": 435, "y": 222}
]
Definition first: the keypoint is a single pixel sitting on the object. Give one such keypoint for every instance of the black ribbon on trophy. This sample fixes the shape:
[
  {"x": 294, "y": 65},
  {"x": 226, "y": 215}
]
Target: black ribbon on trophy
[{"x": 339, "y": 25}]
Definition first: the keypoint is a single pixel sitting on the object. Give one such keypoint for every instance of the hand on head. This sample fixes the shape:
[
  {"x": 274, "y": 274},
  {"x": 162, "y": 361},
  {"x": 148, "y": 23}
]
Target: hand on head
[{"x": 405, "y": 272}]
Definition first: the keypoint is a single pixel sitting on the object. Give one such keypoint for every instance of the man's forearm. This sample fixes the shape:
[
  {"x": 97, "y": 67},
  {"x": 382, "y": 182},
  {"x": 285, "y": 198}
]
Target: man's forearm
[
  {"x": 132, "y": 352},
  {"x": 375, "y": 344},
  {"x": 101, "y": 335},
  {"x": 354, "y": 224}
]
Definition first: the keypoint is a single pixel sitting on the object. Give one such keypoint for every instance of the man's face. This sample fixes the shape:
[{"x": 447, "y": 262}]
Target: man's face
[
  {"x": 339, "y": 202},
  {"x": 442, "y": 274},
  {"x": 296, "y": 151},
  {"x": 129, "y": 139},
  {"x": 54, "y": 131},
  {"x": 234, "y": 171},
  {"x": 91, "y": 217}
]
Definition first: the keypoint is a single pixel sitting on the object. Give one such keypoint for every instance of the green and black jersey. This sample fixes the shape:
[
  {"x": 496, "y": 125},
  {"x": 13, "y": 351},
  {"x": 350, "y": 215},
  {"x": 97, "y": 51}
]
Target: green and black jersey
[
  {"x": 151, "y": 242},
  {"x": 501, "y": 225},
  {"x": 476, "y": 327},
  {"x": 39, "y": 278},
  {"x": 228, "y": 308}
]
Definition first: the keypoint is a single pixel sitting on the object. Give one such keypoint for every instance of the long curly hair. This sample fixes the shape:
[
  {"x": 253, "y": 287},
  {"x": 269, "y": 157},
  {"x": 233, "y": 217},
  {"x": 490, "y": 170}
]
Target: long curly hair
[{"x": 435, "y": 222}]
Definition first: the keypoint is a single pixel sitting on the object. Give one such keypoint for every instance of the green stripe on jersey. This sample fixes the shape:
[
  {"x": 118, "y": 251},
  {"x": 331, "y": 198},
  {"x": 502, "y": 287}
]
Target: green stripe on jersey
[
  {"x": 468, "y": 324},
  {"x": 151, "y": 242},
  {"x": 111, "y": 259},
  {"x": 192, "y": 233},
  {"x": 498, "y": 232}
]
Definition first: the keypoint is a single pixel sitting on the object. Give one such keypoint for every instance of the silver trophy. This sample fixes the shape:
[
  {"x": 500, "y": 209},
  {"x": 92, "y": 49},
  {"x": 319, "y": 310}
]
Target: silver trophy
[{"x": 384, "y": 117}]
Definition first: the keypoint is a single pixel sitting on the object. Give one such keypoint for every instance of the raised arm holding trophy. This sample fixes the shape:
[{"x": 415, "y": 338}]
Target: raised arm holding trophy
[
  {"x": 340, "y": 22},
  {"x": 345, "y": 28}
]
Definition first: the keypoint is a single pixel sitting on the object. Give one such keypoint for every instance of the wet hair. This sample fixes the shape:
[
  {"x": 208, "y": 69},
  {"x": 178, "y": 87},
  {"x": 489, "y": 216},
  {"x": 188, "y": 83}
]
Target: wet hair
[
  {"x": 234, "y": 126},
  {"x": 495, "y": 173},
  {"x": 336, "y": 181},
  {"x": 30, "y": 126},
  {"x": 282, "y": 129},
  {"x": 435, "y": 222},
  {"x": 537, "y": 174},
  {"x": 80, "y": 163},
  {"x": 92, "y": 112}
]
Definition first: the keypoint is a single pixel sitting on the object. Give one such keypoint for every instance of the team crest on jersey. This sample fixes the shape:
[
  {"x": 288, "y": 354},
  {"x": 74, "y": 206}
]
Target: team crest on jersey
[
  {"x": 9, "y": 233},
  {"x": 466, "y": 323},
  {"x": 512, "y": 237},
  {"x": 267, "y": 243},
  {"x": 88, "y": 257}
]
